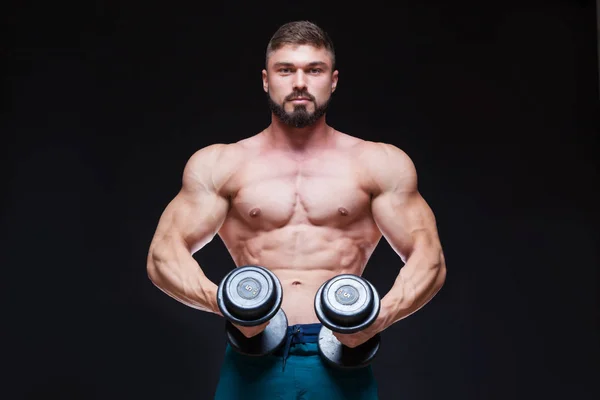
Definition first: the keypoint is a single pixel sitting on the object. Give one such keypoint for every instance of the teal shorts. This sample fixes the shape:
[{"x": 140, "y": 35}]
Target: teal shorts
[{"x": 295, "y": 371}]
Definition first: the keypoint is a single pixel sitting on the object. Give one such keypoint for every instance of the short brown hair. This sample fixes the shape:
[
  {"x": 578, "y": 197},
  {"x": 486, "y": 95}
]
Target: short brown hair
[{"x": 299, "y": 33}]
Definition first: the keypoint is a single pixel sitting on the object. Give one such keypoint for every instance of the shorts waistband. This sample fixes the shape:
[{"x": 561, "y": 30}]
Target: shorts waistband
[
  {"x": 298, "y": 334},
  {"x": 304, "y": 333}
]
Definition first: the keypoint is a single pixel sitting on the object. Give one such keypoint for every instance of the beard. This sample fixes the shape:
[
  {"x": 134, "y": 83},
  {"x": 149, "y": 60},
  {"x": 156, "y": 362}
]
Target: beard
[{"x": 300, "y": 117}]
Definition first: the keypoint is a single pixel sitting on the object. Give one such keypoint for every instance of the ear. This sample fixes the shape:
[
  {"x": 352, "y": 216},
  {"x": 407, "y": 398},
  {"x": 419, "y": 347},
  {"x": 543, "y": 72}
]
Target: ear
[
  {"x": 334, "y": 80},
  {"x": 265, "y": 81}
]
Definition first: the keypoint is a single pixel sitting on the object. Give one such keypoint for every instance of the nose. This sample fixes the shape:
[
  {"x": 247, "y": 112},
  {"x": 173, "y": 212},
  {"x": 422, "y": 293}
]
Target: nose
[{"x": 299, "y": 81}]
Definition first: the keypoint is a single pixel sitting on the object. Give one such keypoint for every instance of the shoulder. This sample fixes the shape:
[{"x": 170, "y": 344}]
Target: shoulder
[
  {"x": 222, "y": 155},
  {"x": 387, "y": 166},
  {"x": 385, "y": 153},
  {"x": 214, "y": 154},
  {"x": 212, "y": 166},
  {"x": 378, "y": 152}
]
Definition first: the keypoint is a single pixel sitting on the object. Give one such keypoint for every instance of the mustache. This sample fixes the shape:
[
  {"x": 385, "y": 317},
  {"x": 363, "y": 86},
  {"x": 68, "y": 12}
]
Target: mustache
[{"x": 295, "y": 95}]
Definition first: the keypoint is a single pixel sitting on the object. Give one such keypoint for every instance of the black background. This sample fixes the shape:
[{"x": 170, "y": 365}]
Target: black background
[{"x": 496, "y": 103}]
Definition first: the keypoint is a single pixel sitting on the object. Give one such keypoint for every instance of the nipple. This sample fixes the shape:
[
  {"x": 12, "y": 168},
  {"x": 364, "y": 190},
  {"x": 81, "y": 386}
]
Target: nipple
[
  {"x": 255, "y": 212},
  {"x": 343, "y": 211}
]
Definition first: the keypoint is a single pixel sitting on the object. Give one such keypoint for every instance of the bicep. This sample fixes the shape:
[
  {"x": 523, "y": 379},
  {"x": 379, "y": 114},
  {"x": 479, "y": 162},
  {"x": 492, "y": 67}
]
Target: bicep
[
  {"x": 193, "y": 217},
  {"x": 197, "y": 212},
  {"x": 401, "y": 213},
  {"x": 405, "y": 220}
]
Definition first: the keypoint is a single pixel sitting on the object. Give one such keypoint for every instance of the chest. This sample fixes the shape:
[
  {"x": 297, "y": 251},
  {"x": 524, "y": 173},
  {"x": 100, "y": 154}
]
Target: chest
[{"x": 275, "y": 192}]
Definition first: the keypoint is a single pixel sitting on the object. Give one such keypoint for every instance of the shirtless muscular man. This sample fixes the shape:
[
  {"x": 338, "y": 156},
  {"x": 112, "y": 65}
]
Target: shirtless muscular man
[{"x": 309, "y": 203}]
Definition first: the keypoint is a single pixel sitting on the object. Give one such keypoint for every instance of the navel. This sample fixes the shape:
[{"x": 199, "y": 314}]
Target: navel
[
  {"x": 343, "y": 211},
  {"x": 255, "y": 212}
]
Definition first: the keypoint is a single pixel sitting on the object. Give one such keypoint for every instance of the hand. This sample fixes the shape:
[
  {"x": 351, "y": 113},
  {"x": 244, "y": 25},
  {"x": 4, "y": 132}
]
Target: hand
[
  {"x": 356, "y": 339},
  {"x": 250, "y": 331}
]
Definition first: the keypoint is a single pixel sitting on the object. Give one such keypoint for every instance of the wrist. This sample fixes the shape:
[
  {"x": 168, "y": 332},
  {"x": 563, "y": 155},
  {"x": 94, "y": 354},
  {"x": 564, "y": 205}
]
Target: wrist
[
  {"x": 214, "y": 304},
  {"x": 387, "y": 312},
  {"x": 207, "y": 297}
]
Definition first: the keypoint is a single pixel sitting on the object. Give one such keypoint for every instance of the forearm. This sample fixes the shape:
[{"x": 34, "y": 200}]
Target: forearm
[
  {"x": 419, "y": 280},
  {"x": 173, "y": 270}
]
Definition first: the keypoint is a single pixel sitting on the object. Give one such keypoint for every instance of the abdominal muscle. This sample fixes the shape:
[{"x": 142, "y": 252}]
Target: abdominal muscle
[{"x": 303, "y": 258}]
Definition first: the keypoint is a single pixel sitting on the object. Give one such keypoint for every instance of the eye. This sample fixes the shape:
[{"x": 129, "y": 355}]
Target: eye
[
  {"x": 285, "y": 70},
  {"x": 316, "y": 70}
]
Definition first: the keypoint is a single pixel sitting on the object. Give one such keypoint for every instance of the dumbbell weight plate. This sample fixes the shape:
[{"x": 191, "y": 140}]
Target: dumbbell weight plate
[
  {"x": 262, "y": 344},
  {"x": 340, "y": 356},
  {"x": 249, "y": 295},
  {"x": 347, "y": 303}
]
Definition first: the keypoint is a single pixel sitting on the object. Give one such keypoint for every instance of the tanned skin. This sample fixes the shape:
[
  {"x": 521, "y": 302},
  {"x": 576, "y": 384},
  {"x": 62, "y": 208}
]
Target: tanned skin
[{"x": 307, "y": 203}]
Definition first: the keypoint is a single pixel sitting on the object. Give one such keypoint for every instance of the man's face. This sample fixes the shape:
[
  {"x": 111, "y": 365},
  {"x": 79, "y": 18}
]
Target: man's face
[{"x": 299, "y": 81}]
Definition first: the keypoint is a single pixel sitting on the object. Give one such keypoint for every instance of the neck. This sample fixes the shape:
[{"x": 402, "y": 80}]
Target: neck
[{"x": 285, "y": 137}]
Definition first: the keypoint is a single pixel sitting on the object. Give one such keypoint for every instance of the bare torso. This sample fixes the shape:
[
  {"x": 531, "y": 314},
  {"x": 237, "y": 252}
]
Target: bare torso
[{"x": 307, "y": 219}]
